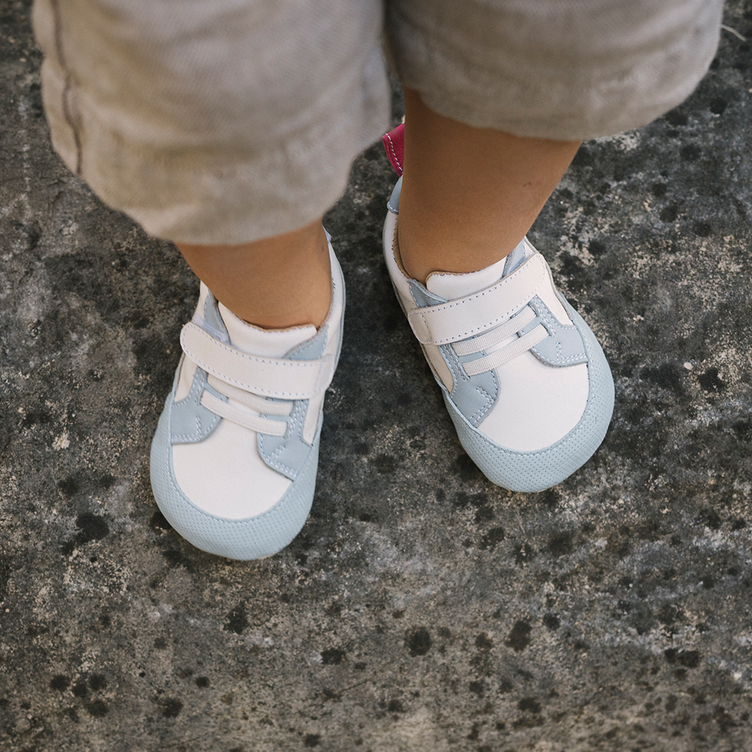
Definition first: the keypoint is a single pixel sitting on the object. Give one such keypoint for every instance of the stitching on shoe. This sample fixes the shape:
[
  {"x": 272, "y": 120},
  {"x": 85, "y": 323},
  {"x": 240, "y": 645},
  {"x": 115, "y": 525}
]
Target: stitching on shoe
[
  {"x": 453, "y": 364},
  {"x": 271, "y": 361},
  {"x": 319, "y": 364},
  {"x": 420, "y": 312},
  {"x": 565, "y": 441},
  {"x": 273, "y": 457},
  {"x": 481, "y": 411},
  {"x": 394, "y": 153},
  {"x": 194, "y": 397},
  {"x": 224, "y": 520},
  {"x": 553, "y": 324},
  {"x": 189, "y": 436}
]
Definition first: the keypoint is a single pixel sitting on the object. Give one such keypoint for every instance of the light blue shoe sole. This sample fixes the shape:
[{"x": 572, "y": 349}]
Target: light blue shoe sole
[
  {"x": 543, "y": 468},
  {"x": 245, "y": 539}
]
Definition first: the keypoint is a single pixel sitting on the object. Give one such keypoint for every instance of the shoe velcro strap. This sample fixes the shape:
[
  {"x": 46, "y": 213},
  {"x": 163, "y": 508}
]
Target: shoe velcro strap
[
  {"x": 465, "y": 317},
  {"x": 270, "y": 377}
]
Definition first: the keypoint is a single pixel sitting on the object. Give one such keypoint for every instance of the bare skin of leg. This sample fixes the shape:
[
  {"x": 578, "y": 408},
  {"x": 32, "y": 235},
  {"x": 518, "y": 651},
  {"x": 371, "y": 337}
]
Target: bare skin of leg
[
  {"x": 469, "y": 195},
  {"x": 273, "y": 283}
]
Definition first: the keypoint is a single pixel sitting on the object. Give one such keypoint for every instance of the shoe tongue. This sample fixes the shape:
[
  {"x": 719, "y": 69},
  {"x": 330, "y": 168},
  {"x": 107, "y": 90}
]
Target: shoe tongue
[
  {"x": 453, "y": 286},
  {"x": 269, "y": 343}
]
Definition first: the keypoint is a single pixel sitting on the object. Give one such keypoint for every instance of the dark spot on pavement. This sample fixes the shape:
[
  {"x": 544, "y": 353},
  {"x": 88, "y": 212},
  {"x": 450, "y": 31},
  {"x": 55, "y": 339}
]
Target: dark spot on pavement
[
  {"x": 669, "y": 213},
  {"x": 170, "y": 706},
  {"x": 551, "y": 622},
  {"x": 494, "y": 536},
  {"x": 676, "y": 118},
  {"x": 91, "y": 527},
  {"x": 666, "y": 375},
  {"x": 691, "y": 152},
  {"x": 710, "y": 381},
  {"x": 529, "y": 705},
  {"x": 483, "y": 642},
  {"x": 69, "y": 486},
  {"x": 710, "y": 518},
  {"x": 418, "y": 641},
  {"x": 159, "y": 522},
  {"x": 718, "y": 105},
  {"x": 484, "y": 513},
  {"x": 519, "y": 637},
  {"x": 477, "y": 687},
  {"x": 98, "y": 708},
  {"x": 176, "y": 558},
  {"x": 596, "y": 248},
  {"x": 59, "y": 682},
  {"x": 560, "y": 544},
  {"x": 385, "y": 464},
  {"x": 80, "y": 689},
  {"x": 236, "y": 620},
  {"x": 97, "y": 682},
  {"x": 332, "y": 656},
  {"x": 685, "y": 658},
  {"x": 659, "y": 189}
]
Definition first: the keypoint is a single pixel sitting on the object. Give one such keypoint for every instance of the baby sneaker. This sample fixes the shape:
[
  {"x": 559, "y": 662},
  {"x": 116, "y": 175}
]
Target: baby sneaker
[
  {"x": 524, "y": 379},
  {"x": 234, "y": 458}
]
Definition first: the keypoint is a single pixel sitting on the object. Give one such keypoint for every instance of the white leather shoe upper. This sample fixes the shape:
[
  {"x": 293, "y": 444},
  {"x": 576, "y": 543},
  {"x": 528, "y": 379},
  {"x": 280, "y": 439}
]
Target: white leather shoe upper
[
  {"x": 225, "y": 473},
  {"x": 537, "y": 403}
]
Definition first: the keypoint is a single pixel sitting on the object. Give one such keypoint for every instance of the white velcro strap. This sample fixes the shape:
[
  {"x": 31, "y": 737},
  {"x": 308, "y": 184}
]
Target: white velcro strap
[
  {"x": 465, "y": 317},
  {"x": 270, "y": 377}
]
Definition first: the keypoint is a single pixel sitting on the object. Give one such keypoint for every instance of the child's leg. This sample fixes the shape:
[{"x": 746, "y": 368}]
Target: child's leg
[
  {"x": 228, "y": 128},
  {"x": 469, "y": 195},
  {"x": 274, "y": 283},
  {"x": 525, "y": 382}
]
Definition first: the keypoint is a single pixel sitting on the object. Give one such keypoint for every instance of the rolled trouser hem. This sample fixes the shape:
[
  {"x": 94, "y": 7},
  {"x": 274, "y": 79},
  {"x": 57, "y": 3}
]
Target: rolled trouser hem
[
  {"x": 203, "y": 124},
  {"x": 202, "y": 197},
  {"x": 562, "y": 71}
]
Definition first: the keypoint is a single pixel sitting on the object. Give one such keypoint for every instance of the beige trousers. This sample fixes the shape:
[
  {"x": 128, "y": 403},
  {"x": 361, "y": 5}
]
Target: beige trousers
[{"x": 227, "y": 121}]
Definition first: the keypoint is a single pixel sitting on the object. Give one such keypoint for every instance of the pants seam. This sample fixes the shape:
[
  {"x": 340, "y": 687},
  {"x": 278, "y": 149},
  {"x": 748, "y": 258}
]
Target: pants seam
[{"x": 67, "y": 88}]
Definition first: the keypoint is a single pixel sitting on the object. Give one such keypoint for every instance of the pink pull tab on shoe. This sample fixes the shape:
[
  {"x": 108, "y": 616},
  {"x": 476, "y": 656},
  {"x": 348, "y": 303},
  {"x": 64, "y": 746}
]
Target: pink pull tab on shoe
[{"x": 394, "y": 144}]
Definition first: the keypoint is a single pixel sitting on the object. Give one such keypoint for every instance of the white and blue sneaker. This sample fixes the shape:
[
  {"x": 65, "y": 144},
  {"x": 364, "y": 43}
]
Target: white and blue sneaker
[
  {"x": 234, "y": 458},
  {"x": 524, "y": 379}
]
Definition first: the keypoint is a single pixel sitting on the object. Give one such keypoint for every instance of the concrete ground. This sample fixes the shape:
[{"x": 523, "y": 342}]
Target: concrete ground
[{"x": 421, "y": 609}]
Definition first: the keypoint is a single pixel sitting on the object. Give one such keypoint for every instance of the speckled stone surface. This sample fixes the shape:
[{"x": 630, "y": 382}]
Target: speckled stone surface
[{"x": 421, "y": 609}]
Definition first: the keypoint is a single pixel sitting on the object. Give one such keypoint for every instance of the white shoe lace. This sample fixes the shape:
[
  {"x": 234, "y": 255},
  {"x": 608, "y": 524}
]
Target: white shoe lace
[
  {"x": 491, "y": 341},
  {"x": 250, "y": 411}
]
